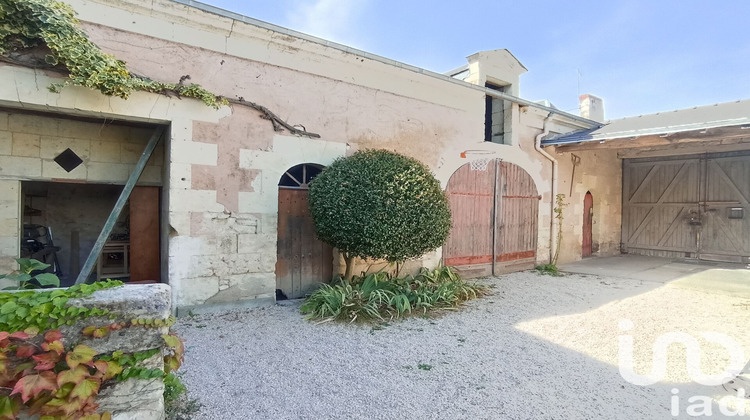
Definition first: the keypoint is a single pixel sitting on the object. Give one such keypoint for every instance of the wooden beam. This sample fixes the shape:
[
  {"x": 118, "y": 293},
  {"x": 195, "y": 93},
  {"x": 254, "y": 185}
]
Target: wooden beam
[
  {"x": 718, "y": 136},
  {"x": 119, "y": 205}
]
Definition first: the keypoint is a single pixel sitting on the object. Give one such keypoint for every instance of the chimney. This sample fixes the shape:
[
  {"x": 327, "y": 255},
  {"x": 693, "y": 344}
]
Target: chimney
[{"x": 592, "y": 107}]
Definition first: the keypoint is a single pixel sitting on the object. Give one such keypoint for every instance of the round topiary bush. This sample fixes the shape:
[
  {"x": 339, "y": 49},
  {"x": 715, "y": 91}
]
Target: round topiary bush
[{"x": 379, "y": 204}]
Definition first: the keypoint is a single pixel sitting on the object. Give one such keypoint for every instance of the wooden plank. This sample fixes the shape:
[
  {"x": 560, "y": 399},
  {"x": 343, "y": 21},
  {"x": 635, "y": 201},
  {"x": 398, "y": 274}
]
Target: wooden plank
[
  {"x": 119, "y": 205},
  {"x": 145, "y": 251}
]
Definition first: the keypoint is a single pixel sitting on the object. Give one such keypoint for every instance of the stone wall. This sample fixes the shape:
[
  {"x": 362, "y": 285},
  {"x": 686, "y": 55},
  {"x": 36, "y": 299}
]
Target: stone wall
[{"x": 134, "y": 398}]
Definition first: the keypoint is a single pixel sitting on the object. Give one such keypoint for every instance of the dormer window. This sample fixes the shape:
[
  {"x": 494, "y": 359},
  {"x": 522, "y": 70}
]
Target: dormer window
[{"x": 494, "y": 116}]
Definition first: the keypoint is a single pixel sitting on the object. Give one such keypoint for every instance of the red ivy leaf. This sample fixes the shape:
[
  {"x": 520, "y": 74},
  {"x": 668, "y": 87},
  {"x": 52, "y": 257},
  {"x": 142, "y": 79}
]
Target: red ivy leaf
[
  {"x": 32, "y": 385},
  {"x": 26, "y": 350},
  {"x": 19, "y": 335},
  {"x": 46, "y": 361},
  {"x": 53, "y": 335},
  {"x": 4, "y": 335}
]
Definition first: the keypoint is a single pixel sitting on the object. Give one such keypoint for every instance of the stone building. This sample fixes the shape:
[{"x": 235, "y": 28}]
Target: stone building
[{"x": 219, "y": 210}]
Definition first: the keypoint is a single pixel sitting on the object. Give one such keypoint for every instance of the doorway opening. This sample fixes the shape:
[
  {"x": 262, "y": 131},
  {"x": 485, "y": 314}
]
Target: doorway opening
[
  {"x": 303, "y": 261},
  {"x": 61, "y": 222}
]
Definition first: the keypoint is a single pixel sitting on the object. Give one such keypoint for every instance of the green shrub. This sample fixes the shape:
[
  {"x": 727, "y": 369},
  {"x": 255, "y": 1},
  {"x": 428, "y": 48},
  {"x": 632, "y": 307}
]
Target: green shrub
[
  {"x": 378, "y": 296},
  {"x": 379, "y": 204}
]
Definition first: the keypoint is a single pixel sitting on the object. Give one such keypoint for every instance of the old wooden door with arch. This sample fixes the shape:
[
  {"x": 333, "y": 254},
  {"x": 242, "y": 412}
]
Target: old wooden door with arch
[
  {"x": 303, "y": 262},
  {"x": 495, "y": 209}
]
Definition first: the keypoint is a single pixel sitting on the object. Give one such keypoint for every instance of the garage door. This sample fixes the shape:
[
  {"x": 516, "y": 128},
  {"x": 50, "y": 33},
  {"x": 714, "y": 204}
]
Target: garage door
[{"x": 695, "y": 207}]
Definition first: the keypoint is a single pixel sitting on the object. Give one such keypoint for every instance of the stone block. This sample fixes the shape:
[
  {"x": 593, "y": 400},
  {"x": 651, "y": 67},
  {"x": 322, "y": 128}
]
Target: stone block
[
  {"x": 78, "y": 130},
  {"x": 26, "y": 145},
  {"x": 193, "y": 200},
  {"x": 32, "y": 124},
  {"x": 20, "y": 167},
  {"x": 194, "y": 153},
  {"x": 50, "y": 147},
  {"x": 195, "y": 290},
  {"x": 131, "y": 152},
  {"x": 108, "y": 172},
  {"x": 6, "y": 143},
  {"x": 249, "y": 243},
  {"x": 105, "y": 151},
  {"x": 3, "y": 121},
  {"x": 245, "y": 286},
  {"x": 151, "y": 175},
  {"x": 180, "y": 176},
  {"x": 114, "y": 133},
  {"x": 9, "y": 227}
]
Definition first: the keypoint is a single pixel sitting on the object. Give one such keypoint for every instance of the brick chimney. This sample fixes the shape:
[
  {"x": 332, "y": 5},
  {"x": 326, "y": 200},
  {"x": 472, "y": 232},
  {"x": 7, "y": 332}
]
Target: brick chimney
[{"x": 592, "y": 107}]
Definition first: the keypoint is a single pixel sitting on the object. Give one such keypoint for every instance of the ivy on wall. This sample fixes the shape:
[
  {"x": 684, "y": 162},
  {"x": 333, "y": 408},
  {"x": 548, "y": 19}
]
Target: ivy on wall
[
  {"x": 49, "y": 27},
  {"x": 33, "y": 23}
]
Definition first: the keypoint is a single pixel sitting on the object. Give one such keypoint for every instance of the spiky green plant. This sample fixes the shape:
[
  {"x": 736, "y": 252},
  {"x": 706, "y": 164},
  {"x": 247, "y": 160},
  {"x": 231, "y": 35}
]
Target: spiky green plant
[{"x": 378, "y": 296}]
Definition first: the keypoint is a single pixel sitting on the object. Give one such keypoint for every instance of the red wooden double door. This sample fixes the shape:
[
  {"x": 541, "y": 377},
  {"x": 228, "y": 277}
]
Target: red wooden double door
[{"x": 495, "y": 215}]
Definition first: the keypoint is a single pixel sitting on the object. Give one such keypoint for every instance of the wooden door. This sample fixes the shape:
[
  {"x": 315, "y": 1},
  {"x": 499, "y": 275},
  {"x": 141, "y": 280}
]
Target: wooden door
[
  {"x": 303, "y": 262},
  {"x": 471, "y": 194},
  {"x": 695, "y": 207},
  {"x": 725, "y": 233},
  {"x": 145, "y": 254},
  {"x": 494, "y": 210},
  {"x": 588, "y": 218},
  {"x": 660, "y": 207},
  {"x": 516, "y": 224}
]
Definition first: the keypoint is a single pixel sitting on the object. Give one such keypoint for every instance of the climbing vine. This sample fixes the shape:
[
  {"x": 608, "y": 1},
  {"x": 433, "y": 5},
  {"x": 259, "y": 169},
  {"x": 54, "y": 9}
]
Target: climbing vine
[
  {"x": 34, "y": 23},
  {"x": 559, "y": 207},
  {"x": 50, "y": 27}
]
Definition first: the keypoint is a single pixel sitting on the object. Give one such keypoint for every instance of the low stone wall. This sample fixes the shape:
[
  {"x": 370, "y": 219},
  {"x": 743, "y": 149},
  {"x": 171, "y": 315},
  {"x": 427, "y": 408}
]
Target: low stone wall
[{"x": 133, "y": 398}]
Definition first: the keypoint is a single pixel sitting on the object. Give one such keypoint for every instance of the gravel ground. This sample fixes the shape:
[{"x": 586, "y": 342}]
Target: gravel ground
[{"x": 538, "y": 347}]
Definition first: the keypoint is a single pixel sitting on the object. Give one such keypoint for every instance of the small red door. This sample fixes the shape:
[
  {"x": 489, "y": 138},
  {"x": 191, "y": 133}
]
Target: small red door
[{"x": 588, "y": 216}]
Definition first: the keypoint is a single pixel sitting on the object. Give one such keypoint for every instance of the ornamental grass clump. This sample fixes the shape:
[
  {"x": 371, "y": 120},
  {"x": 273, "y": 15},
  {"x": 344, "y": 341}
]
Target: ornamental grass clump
[{"x": 379, "y": 296}]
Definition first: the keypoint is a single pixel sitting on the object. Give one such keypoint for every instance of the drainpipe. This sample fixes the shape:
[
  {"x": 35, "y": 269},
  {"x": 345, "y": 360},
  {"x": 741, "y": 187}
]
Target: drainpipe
[{"x": 552, "y": 224}]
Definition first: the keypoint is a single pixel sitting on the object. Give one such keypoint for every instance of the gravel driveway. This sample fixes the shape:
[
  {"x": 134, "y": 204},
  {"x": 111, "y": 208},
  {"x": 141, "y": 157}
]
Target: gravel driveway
[{"x": 538, "y": 347}]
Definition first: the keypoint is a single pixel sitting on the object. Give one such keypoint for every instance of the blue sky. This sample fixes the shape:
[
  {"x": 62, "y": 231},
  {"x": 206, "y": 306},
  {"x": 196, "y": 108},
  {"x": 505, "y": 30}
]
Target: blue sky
[{"x": 639, "y": 56}]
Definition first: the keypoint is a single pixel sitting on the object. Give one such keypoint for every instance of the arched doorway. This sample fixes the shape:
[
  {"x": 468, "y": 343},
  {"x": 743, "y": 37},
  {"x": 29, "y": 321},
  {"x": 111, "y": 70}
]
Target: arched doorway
[
  {"x": 588, "y": 218},
  {"x": 495, "y": 209},
  {"x": 303, "y": 262}
]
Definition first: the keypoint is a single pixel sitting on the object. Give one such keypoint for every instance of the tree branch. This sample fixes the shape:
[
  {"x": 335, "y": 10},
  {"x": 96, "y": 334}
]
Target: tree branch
[{"x": 278, "y": 123}]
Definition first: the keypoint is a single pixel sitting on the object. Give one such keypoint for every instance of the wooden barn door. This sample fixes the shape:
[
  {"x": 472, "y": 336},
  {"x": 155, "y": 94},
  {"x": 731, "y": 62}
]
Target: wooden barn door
[
  {"x": 725, "y": 233},
  {"x": 303, "y": 262},
  {"x": 495, "y": 211},
  {"x": 588, "y": 218},
  {"x": 694, "y": 207}
]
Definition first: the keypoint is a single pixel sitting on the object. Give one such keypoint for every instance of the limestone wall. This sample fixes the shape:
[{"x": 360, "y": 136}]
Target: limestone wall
[{"x": 599, "y": 172}]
